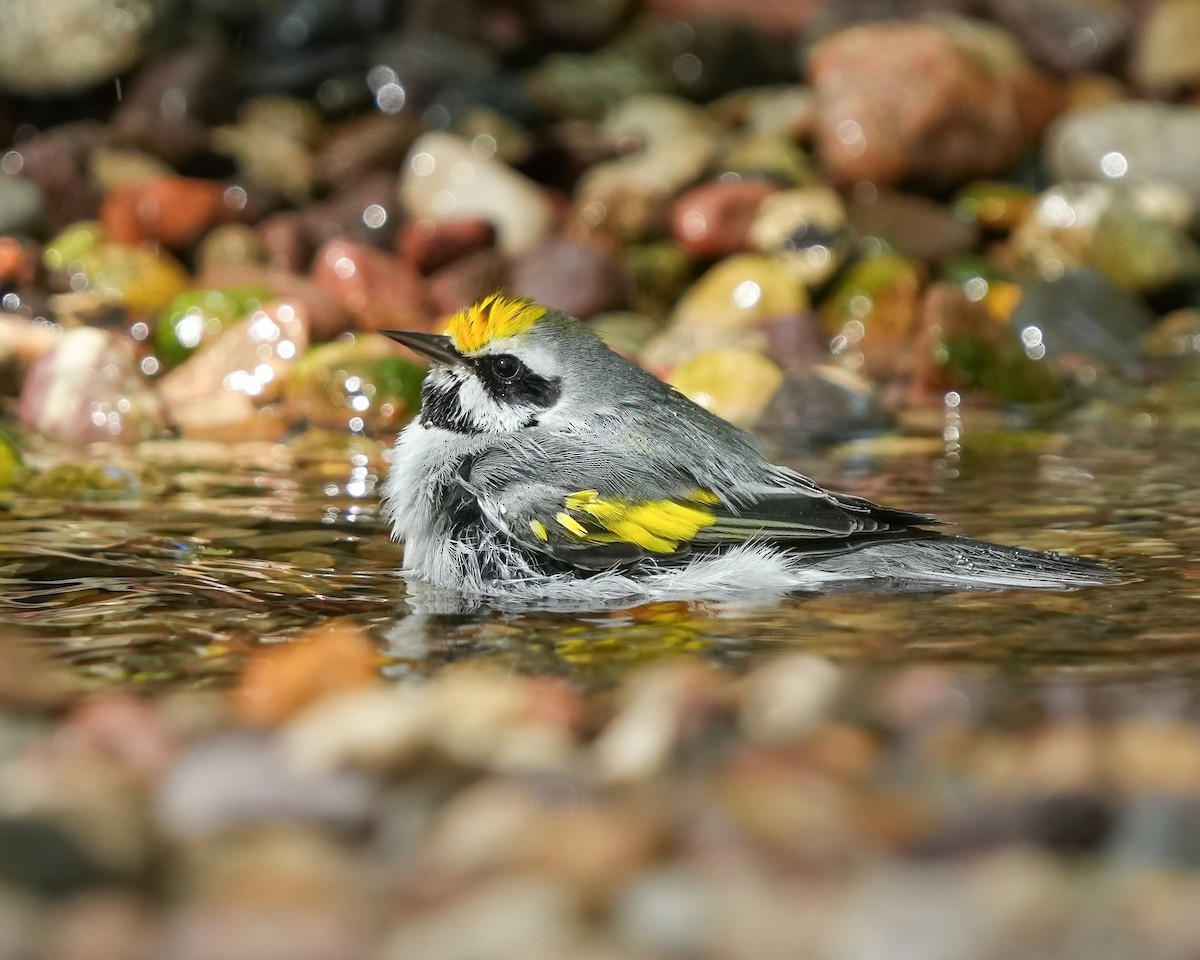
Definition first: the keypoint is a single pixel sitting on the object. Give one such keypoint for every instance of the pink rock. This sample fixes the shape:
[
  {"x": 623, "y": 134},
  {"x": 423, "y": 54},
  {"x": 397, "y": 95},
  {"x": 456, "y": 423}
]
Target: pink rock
[
  {"x": 917, "y": 101},
  {"x": 713, "y": 220},
  {"x": 380, "y": 291},
  {"x": 218, "y": 391},
  {"x": 431, "y": 244},
  {"x": 285, "y": 241},
  {"x": 465, "y": 281},
  {"x": 564, "y": 275},
  {"x": 88, "y": 388}
]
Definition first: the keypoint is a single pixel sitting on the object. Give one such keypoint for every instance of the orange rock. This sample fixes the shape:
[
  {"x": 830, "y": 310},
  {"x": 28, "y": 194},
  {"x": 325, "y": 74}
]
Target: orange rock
[
  {"x": 17, "y": 264},
  {"x": 172, "y": 211},
  {"x": 282, "y": 680},
  {"x": 380, "y": 291}
]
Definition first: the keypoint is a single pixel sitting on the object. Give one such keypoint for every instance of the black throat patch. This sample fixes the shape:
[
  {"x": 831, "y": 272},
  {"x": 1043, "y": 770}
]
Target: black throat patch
[{"x": 440, "y": 407}]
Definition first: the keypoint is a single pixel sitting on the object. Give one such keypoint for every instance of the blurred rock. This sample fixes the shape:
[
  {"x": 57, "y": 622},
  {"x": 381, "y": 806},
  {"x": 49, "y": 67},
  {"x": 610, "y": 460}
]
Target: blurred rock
[
  {"x": 1082, "y": 320},
  {"x": 510, "y": 918},
  {"x": 657, "y": 273},
  {"x": 173, "y": 211},
  {"x": 807, "y": 230},
  {"x": 22, "y": 205},
  {"x": 1133, "y": 142},
  {"x": 993, "y": 205},
  {"x": 728, "y": 306},
  {"x": 200, "y": 316},
  {"x": 931, "y": 103},
  {"x": 912, "y": 226},
  {"x": 272, "y": 144},
  {"x": 40, "y": 855},
  {"x": 366, "y": 211},
  {"x": 445, "y": 179},
  {"x": 766, "y": 156},
  {"x": 1068, "y": 36},
  {"x": 89, "y": 388},
  {"x": 466, "y": 281},
  {"x": 355, "y": 148},
  {"x": 822, "y": 406},
  {"x": 963, "y": 347},
  {"x": 170, "y": 104},
  {"x": 734, "y": 384},
  {"x": 784, "y": 111},
  {"x": 64, "y": 46},
  {"x": 101, "y": 925},
  {"x": 626, "y": 332},
  {"x": 782, "y": 19},
  {"x": 668, "y": 144},
  {"x": 783, "y": 701},
  {"x": 872, "y": 314},
  {"x": 217, "y": 392},
  {"x": 57, "y": 160},
  {"x": 231, "y": 244},
  {"x": 582, "y": 280},
  {"x": 381, "y": 292},
  {"x": 1133, "y": 235},
  {"x": 667, "y": 911},
  {"x": 238, "y": 778},
  {"x": 713, "y": 220},
  {"x": 138, "y": 279},
  {"x": 114, "y": 167},
  {"x": 429, "y": 245},
  {"x": 358, "y": 384},
  {"x": 1166, "y": 52},
  {"x": 283, "y": 679}
]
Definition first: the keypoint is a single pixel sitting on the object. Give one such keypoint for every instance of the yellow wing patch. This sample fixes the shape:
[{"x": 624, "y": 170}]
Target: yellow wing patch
[
  {"x": 659, "y": 526},
  {"x": 495, "y": 316}
]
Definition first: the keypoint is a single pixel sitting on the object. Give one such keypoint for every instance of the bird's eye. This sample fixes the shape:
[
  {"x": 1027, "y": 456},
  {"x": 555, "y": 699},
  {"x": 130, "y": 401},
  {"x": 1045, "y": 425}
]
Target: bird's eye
[{"x": 506, "y": 367}]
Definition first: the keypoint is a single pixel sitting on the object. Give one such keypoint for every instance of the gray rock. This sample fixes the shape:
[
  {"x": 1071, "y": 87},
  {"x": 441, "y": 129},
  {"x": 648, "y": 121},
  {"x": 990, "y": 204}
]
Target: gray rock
[
  {"x": 1135, "y": 141},
  {"x": 819, "y": 407},
  {"x": 22, "y": 205},
  {"x": 240, "y": 778},
  {"x": 1083, "y": 314},
  {"x": 50, "y": 47}
]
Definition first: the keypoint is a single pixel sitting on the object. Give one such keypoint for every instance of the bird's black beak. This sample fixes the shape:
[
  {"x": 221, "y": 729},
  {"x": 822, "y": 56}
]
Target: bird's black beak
[{"x": 431, "y": 345}]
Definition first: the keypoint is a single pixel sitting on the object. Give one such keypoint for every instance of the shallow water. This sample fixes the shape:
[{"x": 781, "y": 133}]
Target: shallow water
[{"x": 202, "y": 552}]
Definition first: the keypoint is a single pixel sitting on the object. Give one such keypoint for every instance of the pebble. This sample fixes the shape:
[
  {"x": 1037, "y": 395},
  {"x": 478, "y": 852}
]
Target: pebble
[
  {"x": 1131, "y": 142},
  {"x": 430, "y": 244},
  {"x": 445, "y": 178},
  {"x": 231, "y": 244},
  {"x": 1164, "y": 57},
  {"x": 168, "y": 105},
  {"x": 912, "y": 226},
  {"x": 141, "y": 280},
  {"x": 60, "y": 47},
  {"x": 713, "y": 220},
  {"x": 272, "y": 144},
  {"x": 657, "y": 275},
  {"x": 807, "y": 230},
  {"x": 22, "y": 205},
  {"x": 220, "y": 388},
  {"x": 728, "y": 306},
  {"x": 993, "y": 205},
  {"x": 466, "y": 281},
  {"x": 361, "y": 146},
  {"x": 872, "y": 314},
  {"x": 173, "y": 211},
  {"x": 785, "y": 700},
  {"x": 820, "y": 407},
  {"x": 1083, "y": 315},
  {"x": 768, "y": 157},
  {"x": 734, "y": 384},
  {"x": 1068, "y": 36},
  {"x": 379, "y": 291},
  {"x": 88, "y": 388},
  {"x": 282, "y": 680},
  {"x": 358, "y": 384},
  {"x": 669, "y": 144},
  {"x": 240, "y": 778},
  {"x": 199, "y": 316},
  {"x": 580, "y": 279},
  {"x": 923, "y": 101}
]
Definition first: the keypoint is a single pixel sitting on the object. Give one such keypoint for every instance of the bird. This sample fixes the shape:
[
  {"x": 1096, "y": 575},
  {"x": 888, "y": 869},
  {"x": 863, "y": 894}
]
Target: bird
[{"x": 543, "y": 465}]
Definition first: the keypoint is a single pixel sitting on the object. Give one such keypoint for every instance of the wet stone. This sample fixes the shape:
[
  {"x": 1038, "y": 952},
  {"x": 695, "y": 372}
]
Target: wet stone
[
  {"x": 822, "y": 406},
  {"x": 577, "y": 278},
  {"x": 993, "y": 205},
  {"x": 89, "y": 388},
  {"x": 232, "y": 244},
  {"x": 173, "y": 211},
  {"x": 430, "y": 244},
  {"x": 199, "y": 316},
  {"x": 1165, "y": 56},
  {"x": 734, "y": 384},
  {"x": 22, "y": 205},
  {"x": 912, "y": 226},
  {"x": 807, "y": 230},
  {"x": 1068, "y": 36},
  {"x": 380, "y": 291},
  {"x": 360, "y": 384},
  {"x": 445, "y": 179},
  {"x": 713, "y": 220},
  {"x": 1082, "y": 318}
]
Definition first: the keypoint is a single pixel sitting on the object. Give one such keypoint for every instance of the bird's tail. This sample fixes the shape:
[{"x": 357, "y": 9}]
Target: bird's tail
[{"x": 961, "y": 563}]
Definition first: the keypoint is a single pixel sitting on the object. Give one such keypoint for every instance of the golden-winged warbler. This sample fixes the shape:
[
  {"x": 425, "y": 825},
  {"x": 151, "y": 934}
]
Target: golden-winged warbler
[{"x": 545, "y": 465}]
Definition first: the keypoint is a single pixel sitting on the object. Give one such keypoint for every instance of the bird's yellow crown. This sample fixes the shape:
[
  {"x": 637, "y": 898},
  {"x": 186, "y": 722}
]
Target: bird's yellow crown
[{"x": 496, "y": 315}]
